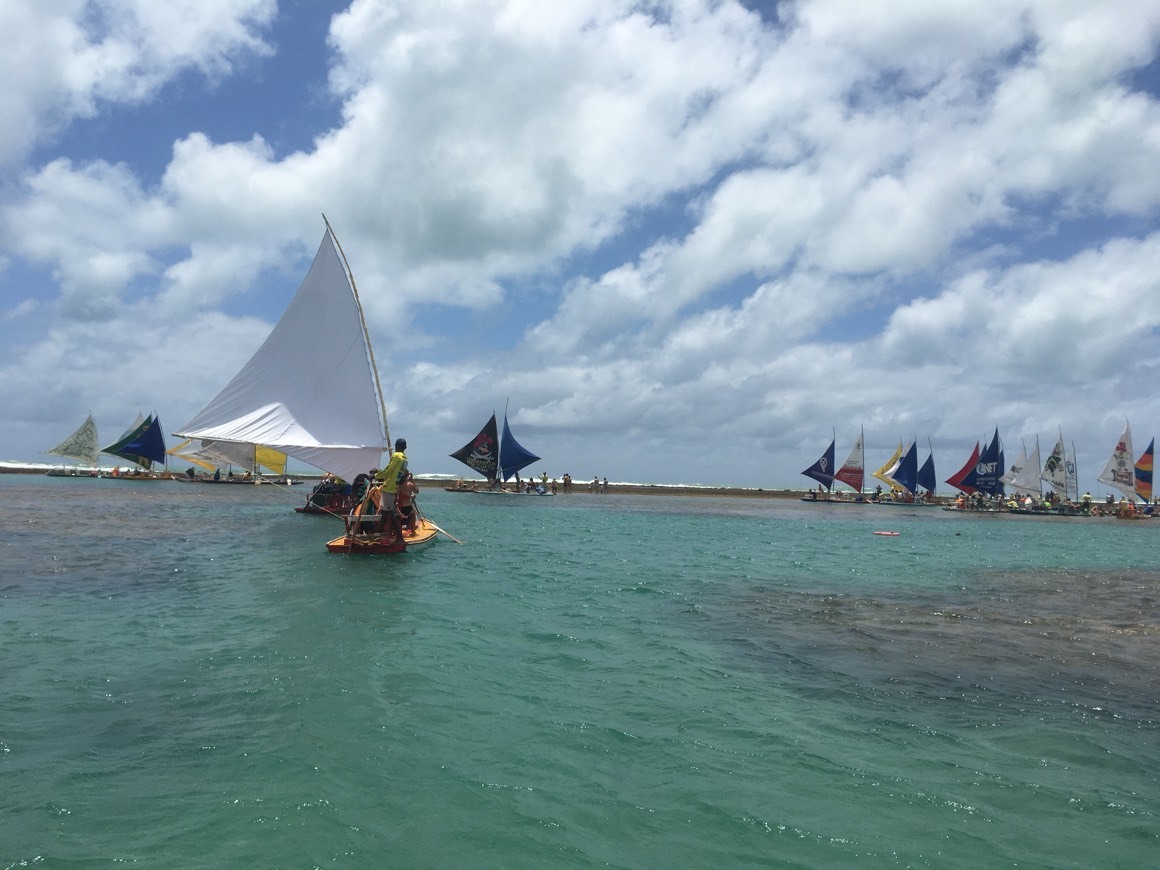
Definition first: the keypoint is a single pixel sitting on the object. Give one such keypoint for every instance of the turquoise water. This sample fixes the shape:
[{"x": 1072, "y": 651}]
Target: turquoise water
[{"x": 189, "y": 679}]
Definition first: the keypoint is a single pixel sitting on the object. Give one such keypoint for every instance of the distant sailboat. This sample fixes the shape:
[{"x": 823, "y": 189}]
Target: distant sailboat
[
  {"x": 961, "y": 479},
  {"x": 497, "y": 459},
  {"x": 886, "y": 472},
  {"x": 188, "y": 452},
  {"x": 251, "y": 458},
  {"x": 853, "y": 470},
  {"x": 823, "y": 470},
  {"x": 142, "y": 445},
  {"x": 852, "y": 474},
  {"x": 1144, "y": 472},
  {"x": 907, "y": 474},
  {"x": 983, "y": 471},
  {"x": 989, "y": 469},
  {"x": 926, "y": 477},
  {"x": 81, "y": 445},
  {"x": 1023, "y": 476},
  {"x": 1120, "y": 470},
  {"x": 1059, "y": 472}
]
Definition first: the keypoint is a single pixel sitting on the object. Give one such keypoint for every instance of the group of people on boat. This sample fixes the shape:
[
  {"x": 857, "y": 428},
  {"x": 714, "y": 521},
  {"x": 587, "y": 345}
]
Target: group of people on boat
[
  {"x": 1053, "y": 503},
  {"x": 385, "y": 499},
  {"x": 381, "y": 502}
]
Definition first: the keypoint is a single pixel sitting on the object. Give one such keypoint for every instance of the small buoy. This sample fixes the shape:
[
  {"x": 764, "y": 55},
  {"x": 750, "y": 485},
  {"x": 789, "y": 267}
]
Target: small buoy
[{"x": 888, "y": 534}]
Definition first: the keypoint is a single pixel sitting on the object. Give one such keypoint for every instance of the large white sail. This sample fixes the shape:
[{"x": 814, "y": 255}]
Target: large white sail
[
  {"x": 310, "y": 390},
  {"x": 81, "y": 445},
  {"x": 1023, "y": 474},
  {"x": 1120, "y": 471},
  {"x": 1058, "y": 473}
]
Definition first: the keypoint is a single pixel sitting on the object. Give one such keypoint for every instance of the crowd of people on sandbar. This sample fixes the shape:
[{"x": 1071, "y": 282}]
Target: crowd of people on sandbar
[{"x": 541, "y": 485}]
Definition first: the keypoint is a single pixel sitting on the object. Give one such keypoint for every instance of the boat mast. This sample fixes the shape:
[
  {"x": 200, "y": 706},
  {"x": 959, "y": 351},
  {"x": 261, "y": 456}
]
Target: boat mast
[
  {"x": 499, "y": 450},
  {"x": 366, "y": 335}
]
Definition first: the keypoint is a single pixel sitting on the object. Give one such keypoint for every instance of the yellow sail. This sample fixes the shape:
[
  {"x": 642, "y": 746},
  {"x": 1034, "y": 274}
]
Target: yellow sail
[
  {"x": 883, "y": 473},
  {"x": 268, "y": 458},
  {"x": 179, "y": 453}
]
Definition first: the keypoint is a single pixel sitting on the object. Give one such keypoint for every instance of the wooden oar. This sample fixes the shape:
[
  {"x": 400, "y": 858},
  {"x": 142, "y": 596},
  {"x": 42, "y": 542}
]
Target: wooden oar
[
  {"x": 447, "y": 533},
  {"x": 437, "y": 528}
]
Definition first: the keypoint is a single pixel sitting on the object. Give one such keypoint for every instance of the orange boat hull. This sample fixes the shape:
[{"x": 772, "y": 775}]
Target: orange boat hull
[{"x": 383, "y": 543}]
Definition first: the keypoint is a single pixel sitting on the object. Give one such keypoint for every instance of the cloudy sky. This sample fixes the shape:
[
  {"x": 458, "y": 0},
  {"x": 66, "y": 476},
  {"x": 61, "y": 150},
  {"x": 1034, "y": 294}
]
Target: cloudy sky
[{"x": 691, "y": 241}]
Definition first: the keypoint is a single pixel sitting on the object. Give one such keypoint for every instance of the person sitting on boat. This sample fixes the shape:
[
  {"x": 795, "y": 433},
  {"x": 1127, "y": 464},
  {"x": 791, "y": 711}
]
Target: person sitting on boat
[
  {"x": 391, "y": 478},
  {"x": 370, "y": 511}
]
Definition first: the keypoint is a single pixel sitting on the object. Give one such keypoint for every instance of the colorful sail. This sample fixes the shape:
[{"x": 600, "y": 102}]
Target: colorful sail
[
  {"x": 188, "y": 452},
  {"x": 1056, "y": 470},
  {"x": 1144, "y": 472},
  {"x": 481, "y": 453},
  {"x": 512, "y": 456},
  {"x": 251, "y": 457},
  {"x": 853, "y": 470},
  {"x": 823, "y": 470},
  {"x": 886, "y": 471},
  {"x": 989, "y": 469},
  {"x": 81, "y": 445},
  {"x": 926, "y": 476},
  {"x": 960, "y": 478},
  {"x": 311, "y": 390},
  {"x": 143, "y": 445},
  {"x": 1120, "y": 470},
  {"x": 906, "y": 473}
]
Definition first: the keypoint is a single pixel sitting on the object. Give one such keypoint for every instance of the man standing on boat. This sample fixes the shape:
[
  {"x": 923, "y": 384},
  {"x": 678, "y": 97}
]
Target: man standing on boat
[{"x": 390, "y": 478}]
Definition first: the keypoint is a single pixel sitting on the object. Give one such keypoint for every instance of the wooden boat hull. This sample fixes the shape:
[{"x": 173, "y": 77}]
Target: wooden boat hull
[{"x": 383, "y": 544}]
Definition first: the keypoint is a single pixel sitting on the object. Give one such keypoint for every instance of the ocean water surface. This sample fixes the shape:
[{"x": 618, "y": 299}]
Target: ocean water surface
[{"x": 189, "y": 679}]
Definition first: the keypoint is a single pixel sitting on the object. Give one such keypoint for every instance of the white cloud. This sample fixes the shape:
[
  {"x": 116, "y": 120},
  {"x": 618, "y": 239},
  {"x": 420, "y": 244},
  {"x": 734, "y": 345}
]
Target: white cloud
[
  {"x": 65, "y": 61},
  {"x": 852, "y": 213}
]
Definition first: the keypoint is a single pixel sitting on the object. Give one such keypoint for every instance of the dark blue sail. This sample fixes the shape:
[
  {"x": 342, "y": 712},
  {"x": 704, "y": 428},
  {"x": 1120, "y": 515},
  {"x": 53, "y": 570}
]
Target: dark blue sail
[
  {"x": 481, "y": 453},
  {"x": 906, "y": 475},
  {"x": 823, "y": 470},
  {"x": 144, "y": 445},
  {"x": 926, "y": 479},
  {"x": 990, "y": 468},
  {"x": 512, "y": 457}
]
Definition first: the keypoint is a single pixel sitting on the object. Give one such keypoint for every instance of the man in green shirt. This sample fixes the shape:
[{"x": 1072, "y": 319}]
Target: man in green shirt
[{"x": 389, "y": 479}]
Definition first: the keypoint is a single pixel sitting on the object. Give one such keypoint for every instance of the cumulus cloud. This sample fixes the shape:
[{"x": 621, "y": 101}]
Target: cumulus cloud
[
  {"x": 68, "y": 61},
  {"x": 675, "y": 221}
]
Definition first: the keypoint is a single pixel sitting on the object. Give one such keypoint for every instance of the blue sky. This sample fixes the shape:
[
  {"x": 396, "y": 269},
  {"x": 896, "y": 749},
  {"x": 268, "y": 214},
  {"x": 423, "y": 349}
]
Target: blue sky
[{"x": 689, "y": 241}]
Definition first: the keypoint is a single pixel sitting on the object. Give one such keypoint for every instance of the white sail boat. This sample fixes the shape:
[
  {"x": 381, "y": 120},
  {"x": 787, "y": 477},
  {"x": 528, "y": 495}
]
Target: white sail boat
[
  {"x": 81, "y": 445},
  {"x": 1059, "y": 472},
  {"x": 312, "y": 389},
  {"x": 1023, "y": 475},
  {"x": 1120, "y": 470}
]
